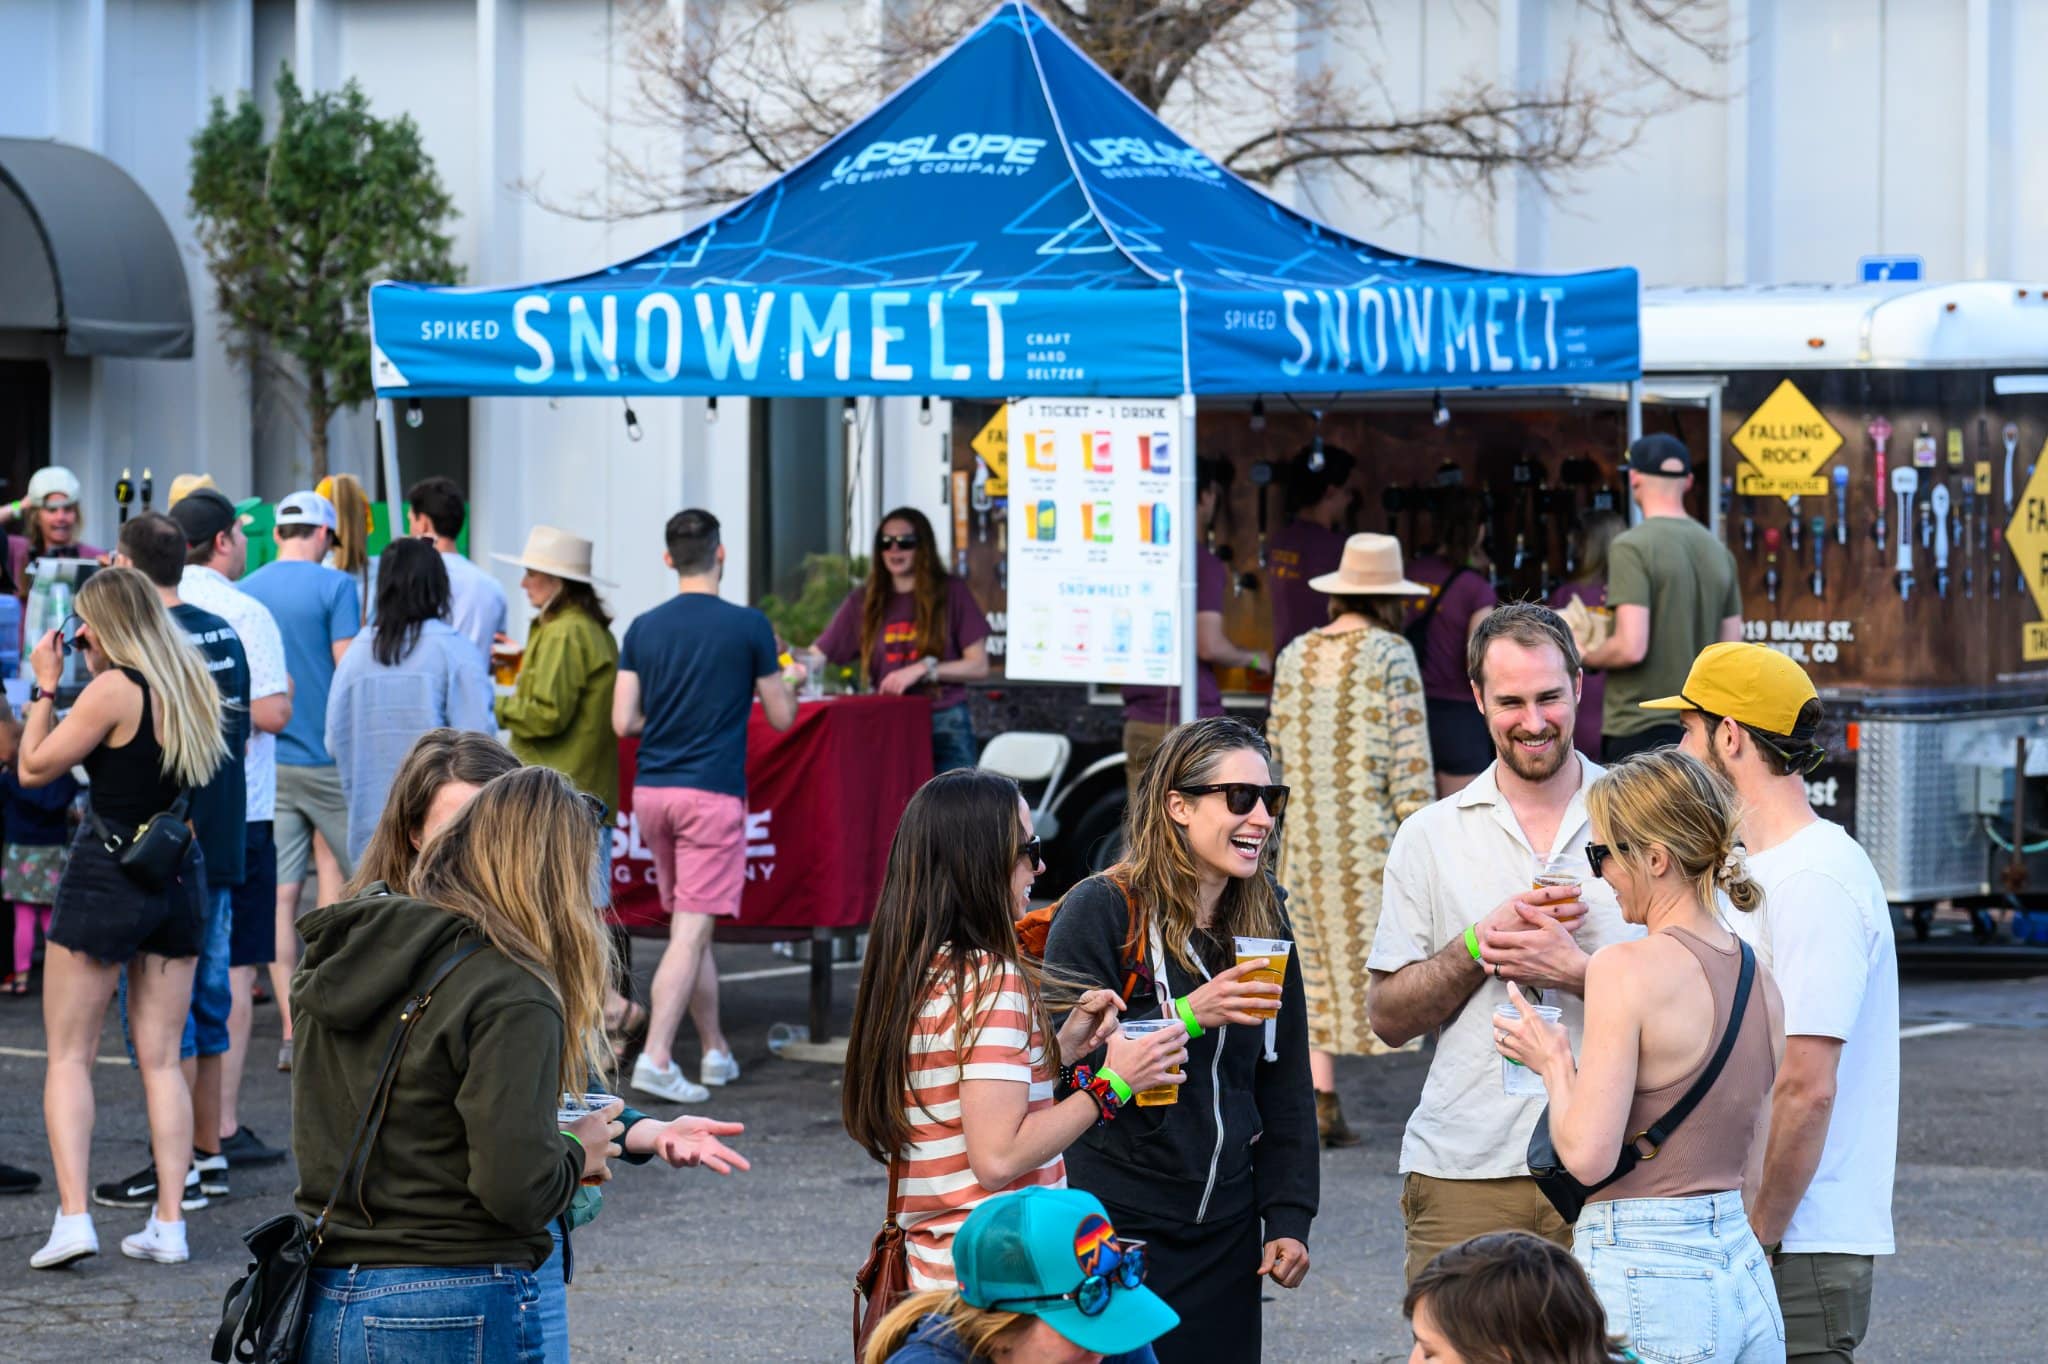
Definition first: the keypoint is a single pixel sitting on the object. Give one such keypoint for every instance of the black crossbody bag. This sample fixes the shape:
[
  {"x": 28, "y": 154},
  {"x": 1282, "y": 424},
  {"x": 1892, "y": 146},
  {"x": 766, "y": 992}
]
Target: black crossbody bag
[
  {"x": 1566, "y": 1193},
  {"x": 152, "y": 856},
  {"x": 263, "y": 1316}
]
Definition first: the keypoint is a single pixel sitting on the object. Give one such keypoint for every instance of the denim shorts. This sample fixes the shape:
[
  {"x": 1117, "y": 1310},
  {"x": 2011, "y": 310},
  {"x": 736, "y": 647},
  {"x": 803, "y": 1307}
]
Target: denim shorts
[
  {"x": 468, "y": 1314},
  {"x": 1683, "y": 1279},
  {"x": 252, "y": 928}
]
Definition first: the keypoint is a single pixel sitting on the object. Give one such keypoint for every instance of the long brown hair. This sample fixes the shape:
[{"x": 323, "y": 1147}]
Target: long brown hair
[
  {"x": 576, "y": 596},
  {"x": 517, "y": 863},
  {"x": 946, "y": 903},
  {"x": 933, "y": 586},
  {"x": 1512, "y": 1298},
  {"x": 978, "y": 1329},
  {"x": 438, "y": 757},
  {"x": 1160, "y": 867},
  {"x": 1666, "y": 799}
]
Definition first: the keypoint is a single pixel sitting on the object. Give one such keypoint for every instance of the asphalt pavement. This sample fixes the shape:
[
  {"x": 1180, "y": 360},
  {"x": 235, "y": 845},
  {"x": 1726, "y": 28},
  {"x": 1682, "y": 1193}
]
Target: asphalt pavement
[{"x": 686, "y": 1266}]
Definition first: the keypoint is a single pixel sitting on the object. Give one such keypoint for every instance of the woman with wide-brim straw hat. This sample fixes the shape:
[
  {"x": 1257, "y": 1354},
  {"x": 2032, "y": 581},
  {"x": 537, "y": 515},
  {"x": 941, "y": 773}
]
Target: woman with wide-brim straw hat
[
  {"x": 559, "y": 714},
  {"x": 1350, "y": 732}
]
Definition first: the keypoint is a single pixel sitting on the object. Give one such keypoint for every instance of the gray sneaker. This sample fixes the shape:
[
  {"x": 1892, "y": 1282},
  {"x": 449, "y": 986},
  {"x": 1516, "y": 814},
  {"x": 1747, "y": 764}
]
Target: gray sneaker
[
  {"x": 669, "y": 1083},
  {"x": 284, "y": 1056}
]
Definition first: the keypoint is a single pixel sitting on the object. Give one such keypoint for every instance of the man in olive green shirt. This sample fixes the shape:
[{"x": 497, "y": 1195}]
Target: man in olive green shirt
[{"x": 1673, "y": 587}]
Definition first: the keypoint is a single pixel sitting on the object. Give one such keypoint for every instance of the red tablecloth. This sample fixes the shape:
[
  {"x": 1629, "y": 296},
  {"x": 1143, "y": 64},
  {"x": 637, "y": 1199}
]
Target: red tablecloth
[{"x": 823, "y": 798}]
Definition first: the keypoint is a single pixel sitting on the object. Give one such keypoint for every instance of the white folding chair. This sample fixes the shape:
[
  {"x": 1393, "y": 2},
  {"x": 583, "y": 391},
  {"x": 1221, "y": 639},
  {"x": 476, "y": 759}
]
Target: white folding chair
[{"x": 1027, "y": 757}]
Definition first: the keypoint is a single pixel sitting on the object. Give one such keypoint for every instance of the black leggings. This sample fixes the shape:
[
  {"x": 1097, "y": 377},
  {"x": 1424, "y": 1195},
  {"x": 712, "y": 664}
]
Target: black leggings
[{"x": 1210, "y": 1275}]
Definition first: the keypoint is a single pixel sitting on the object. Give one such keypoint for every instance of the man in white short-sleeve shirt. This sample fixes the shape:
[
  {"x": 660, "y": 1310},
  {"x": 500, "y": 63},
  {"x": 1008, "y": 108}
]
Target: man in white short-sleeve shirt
[
  {"x": 476, "y": 603},
  {"x": 1824, "y": 1208},
  {"x": 1459, "y": 918}
]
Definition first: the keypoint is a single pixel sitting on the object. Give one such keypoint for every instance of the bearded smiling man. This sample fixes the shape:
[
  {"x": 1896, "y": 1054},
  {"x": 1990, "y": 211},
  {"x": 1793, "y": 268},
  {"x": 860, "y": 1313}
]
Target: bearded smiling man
[{"x": 1459, "y": 919}]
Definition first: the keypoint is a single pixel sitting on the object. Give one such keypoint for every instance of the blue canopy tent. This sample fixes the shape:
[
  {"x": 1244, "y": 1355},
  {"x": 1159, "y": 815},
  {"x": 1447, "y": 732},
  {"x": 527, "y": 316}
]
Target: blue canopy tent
[{"x": 1009, "y": 223}]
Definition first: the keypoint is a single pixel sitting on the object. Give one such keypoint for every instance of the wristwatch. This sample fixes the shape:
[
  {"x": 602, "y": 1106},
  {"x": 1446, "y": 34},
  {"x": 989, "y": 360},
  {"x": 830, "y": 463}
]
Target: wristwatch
[
  {"x": 931, "y": 668},
  {"x": 36, "y": 693}
]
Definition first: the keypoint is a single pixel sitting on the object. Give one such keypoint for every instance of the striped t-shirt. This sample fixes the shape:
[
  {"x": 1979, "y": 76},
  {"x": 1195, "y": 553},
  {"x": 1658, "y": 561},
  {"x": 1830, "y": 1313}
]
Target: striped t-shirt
[{"x": 991, "y": 1034}]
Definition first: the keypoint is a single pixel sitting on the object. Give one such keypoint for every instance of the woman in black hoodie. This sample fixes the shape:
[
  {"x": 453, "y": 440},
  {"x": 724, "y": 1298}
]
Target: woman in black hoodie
[
  {"x": 1222, "y": 1184},
  {"x": 434, "y": 1256}
]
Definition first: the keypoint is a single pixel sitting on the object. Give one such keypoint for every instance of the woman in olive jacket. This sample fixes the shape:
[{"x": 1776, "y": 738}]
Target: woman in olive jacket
[{"x": 1222, "y": 1184}]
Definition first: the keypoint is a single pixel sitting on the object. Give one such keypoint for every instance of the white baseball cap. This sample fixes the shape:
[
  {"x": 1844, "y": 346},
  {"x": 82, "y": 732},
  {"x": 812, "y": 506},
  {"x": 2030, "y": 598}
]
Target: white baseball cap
[
  {"x": 307, "y": 508},
  {"x": 52, "y": 480}
]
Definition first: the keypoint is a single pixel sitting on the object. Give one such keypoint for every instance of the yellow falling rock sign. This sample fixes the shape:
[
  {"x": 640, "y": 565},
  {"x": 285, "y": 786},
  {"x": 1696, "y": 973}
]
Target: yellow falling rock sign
[
  {"x": 1783, "y": 444},
  {"x": 2027, "y": 538},
  {"x": 992, "y": 445}
]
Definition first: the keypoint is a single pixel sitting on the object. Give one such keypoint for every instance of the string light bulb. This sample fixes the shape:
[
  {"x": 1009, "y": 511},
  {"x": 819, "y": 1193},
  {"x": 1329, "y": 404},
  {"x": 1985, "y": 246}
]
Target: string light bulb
[
  {"x": 924, "y": 411},
  {"x": 415, "y": 415},
  {"x": 847, "y": 412},
  {"x": 1442, "y": 415},
  {"x": 1315, "y": 449},
  {"x": 633, "y": 431},
  {"x": 711, "y": 409},
  {"x": 1258, "y": 414}
]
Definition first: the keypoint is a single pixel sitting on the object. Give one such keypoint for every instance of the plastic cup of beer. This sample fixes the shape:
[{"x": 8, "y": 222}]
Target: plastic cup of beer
[
  {"x": 571, "y": 1109},
  {"x": 1555, "y": 871},
  {"x": 1275, "y": 952},
  {"x": 1516, "y": 1078},
  {"x": 506, "y": 656},
  {"x": 1159, "y": 1095}
]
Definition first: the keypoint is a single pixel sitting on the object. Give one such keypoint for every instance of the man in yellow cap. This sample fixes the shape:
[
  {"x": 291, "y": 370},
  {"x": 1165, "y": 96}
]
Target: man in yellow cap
[{"x": 1824, "y": 1208}]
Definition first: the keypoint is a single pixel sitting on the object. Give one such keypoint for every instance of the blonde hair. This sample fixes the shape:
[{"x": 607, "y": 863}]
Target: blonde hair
[
  {"x": 133, "y": 629},
  {"x": 1159, "y": 866},
  {"x": 977, "y": 1328},
  {"x": 438, "y": 758},
  {"x": 1664, "y": 799},
  {"x": 352, "y": 517},
  {"x": 517, "y": 863}
]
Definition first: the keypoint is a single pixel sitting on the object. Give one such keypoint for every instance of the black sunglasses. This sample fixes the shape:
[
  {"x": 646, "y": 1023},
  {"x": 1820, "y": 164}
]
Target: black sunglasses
[
  {"x": 1092, "y": 1296},
  {"x": 599, "y": 811},
  {"x": 1805, "y": 760},
  {"x": 1240, "y": 796},
  {"x": 71, "y": 634},
  {"x": 896, "y": 541},
  {"x": 1598, "y": 853},
  {"x": 1032, "y": 853}
]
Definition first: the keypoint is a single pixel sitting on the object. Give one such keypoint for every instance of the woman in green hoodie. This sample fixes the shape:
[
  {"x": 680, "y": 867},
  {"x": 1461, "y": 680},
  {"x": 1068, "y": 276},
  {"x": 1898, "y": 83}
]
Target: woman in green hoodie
[{"x": 442, "y": 1238}]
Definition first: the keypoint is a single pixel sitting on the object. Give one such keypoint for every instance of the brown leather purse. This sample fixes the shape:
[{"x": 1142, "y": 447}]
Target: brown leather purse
[{"x": 883, "y": 1279}]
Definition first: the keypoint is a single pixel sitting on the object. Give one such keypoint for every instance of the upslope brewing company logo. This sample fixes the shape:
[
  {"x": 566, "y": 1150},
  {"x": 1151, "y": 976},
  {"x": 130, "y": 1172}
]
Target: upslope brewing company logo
[
  {"x": 1136, "y": 158},
  {"x": 960, "y": 154},
  {"x": 632, "y": 861}
]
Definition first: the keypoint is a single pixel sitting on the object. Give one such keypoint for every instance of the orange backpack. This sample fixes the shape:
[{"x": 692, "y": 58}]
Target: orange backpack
[{"x": 1034, "y": 928}]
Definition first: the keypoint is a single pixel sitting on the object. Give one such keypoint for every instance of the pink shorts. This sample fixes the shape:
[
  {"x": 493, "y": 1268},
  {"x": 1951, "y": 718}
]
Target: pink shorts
[{"x": 699, "y": 843}]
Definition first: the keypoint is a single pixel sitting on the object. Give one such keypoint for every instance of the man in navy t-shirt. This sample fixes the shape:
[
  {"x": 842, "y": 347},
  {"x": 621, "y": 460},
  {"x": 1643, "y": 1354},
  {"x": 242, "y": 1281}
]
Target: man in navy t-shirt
[
  {"x": 688, "y": 675},
  {"x": 155, "y": 546}
]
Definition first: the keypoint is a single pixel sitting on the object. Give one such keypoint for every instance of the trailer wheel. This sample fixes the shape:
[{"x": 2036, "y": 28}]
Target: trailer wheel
[{"x": 1923, "y": 922}]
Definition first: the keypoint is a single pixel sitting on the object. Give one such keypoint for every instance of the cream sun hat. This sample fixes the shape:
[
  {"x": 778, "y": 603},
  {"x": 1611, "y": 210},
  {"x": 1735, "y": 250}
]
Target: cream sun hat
[
  {"x": 1371, "y": 567},
  {"x": 556, "y": 553}
]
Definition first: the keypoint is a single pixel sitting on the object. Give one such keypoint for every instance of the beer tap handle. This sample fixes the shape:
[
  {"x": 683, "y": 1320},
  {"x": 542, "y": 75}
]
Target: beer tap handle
[
  {"x": 148, "y": 488},
  {"x": 1820, "y": 546},
  {"x": 1997, "y": 569},
  {"x": 1938, "y": 504},
  {"x": 1792, "y": 505},
  {"x": 124, "y": 493},
  {"x": 1842, "y": 505},
  {"x": 1771, "y": 564},
  {"x": 1748, "y": 524}
]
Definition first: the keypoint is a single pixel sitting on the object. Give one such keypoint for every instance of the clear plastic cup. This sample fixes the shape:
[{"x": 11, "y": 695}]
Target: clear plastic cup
[
  {"x": 1158, "y": 1096},
  {"x": 1275, "y": 952},
  {"x": 1516, "y": 1078},
  {"x": 1554, "y": 871}
]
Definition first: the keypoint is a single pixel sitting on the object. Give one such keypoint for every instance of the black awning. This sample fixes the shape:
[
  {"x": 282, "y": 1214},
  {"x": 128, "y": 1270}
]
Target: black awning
[{"x": 84, "y": 251}]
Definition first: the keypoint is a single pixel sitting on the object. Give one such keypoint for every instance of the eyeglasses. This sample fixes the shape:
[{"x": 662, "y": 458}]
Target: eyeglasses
[
  {"x": 1240, "y": 796},
  {"x": 1033, "y": 853},
  {"x": 896, "y": 541},
  {"x": 1092, "y": 1295},
  {"x": 1598, "y": 853},
  {"x": 599, "y": 811}
]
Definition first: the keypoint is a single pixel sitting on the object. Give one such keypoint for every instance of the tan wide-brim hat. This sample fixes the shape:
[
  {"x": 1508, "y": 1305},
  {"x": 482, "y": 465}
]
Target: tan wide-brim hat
[
  {"x": 1371, "y": 568},
  {"x": 556, "y": 553}
]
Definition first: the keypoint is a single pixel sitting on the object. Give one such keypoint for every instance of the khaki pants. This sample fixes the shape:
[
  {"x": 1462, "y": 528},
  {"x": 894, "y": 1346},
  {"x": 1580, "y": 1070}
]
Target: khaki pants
[
  {"x": 1440, "y": 1213},
  {"x": 1141, "y": 741},
  {"x": 1826, "y": 1302}
]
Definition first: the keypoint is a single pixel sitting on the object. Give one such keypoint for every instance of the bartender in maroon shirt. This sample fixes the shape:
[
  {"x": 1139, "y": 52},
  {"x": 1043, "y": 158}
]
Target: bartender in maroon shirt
[{"x": 1312, "y": 543}]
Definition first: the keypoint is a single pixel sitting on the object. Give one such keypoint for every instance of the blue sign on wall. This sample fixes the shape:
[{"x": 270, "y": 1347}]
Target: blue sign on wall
[{"x": 1884, "y": 269}]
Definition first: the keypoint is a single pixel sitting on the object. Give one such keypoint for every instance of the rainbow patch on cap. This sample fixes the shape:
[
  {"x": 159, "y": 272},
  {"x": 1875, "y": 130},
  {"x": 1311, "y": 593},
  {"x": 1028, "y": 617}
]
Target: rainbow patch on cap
[{"x": 1092, "y": 1241}]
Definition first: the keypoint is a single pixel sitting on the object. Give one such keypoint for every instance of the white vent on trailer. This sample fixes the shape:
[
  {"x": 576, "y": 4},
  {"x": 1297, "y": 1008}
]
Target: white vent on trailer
[{"x": 1977, "y": 324}]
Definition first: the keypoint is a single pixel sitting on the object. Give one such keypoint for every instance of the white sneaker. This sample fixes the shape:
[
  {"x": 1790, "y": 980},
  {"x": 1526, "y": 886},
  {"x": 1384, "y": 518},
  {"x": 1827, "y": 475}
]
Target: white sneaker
[
  {"x": 71, "y": 1238},
  {"x": 666, "y": 1083},
  {"x": 719, "y": 1068},
  {"x": 163, "y": 1242}
]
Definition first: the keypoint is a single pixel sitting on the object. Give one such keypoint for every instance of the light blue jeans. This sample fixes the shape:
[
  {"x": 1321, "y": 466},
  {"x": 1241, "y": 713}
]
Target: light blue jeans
[
  {"x": 422, "y": 1316},
  {"x": 1684, "y": 1279},
  {"x": 553, "y": 1308}
]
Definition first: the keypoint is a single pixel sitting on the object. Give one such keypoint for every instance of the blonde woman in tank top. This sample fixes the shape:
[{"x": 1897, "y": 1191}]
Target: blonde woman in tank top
[{"x": 1668, "y": 1246}]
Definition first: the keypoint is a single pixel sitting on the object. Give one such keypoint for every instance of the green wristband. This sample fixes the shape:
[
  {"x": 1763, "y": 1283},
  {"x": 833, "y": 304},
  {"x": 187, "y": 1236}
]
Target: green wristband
[
  {"x": 1116, "y": 1082},
  {"x": 1472, "y": 944},
  {"x": 1187, "y": 1016},
  {"x": 573, "y": 1137}
]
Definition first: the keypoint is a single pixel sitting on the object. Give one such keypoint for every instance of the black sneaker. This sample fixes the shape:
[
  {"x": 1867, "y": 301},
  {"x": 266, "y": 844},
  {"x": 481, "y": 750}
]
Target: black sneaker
[
  {"x": 213, "y": 1173},
  {"x": 139, "y": 1191},
  {"x": 245, "y": 1148},
  {"x": 15, "y": 1180}
]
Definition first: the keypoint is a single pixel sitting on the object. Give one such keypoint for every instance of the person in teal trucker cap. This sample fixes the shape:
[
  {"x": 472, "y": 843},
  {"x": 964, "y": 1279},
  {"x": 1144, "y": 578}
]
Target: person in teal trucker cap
[{"x": 1044, "y": 1279}]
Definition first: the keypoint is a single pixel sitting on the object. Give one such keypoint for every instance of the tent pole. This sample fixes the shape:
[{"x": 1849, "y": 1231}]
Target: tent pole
[
  {"x": 387, "y": 438},
  {"x": 1635, "y": 433},
  {"x": 1191, "y": 540}
]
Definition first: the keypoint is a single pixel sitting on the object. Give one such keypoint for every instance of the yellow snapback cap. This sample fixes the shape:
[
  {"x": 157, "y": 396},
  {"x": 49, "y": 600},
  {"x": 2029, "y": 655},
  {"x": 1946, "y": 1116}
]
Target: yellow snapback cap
[{"x": 1748, "y": 683}]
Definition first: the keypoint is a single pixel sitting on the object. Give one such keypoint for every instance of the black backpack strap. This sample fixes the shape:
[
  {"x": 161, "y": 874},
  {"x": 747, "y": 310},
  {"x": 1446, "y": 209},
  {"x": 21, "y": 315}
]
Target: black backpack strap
[
  {"x": 1660, "y": 1131},
  {"x": 357, "y": 1161},
  {"x": 1436, "y": 598}
]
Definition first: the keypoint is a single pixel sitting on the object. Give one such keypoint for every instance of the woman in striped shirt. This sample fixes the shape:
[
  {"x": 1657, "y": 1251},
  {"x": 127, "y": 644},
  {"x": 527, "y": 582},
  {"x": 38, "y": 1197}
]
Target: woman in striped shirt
[{"x": 951, "y": 1061}]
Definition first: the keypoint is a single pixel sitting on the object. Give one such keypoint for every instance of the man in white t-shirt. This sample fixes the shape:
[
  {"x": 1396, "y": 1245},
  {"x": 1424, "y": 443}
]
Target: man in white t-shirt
[
  {"x": 1459, "y": 919},
  {"x": 476, "y": 603},
  {"x": 1824, "y": 1208}
]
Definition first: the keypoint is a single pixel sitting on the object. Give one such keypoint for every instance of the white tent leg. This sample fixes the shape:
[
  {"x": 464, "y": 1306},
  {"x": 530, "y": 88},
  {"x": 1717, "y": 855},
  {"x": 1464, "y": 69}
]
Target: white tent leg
[
  {"x": 387, "y": 440},
  {"x": 1191, "y": 539}
]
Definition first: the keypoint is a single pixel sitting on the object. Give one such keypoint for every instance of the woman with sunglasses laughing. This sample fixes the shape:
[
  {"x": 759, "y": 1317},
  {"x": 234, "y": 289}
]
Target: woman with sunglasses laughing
[
  {"x": 1222, "y": 1184},
  {"x": 915, "y": 628},
  {"x": 951, "y": 1058}
]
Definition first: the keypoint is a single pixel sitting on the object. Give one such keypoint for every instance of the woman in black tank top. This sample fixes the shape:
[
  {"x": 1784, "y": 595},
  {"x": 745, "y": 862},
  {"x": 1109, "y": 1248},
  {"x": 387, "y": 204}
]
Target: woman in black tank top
[{"x": 147, "y": 727}]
